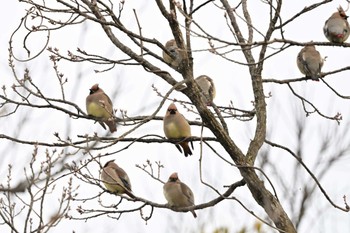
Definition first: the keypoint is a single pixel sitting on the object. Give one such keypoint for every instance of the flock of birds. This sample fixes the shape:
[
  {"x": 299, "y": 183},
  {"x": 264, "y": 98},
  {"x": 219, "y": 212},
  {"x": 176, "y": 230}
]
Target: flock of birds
[
  {"x": 178, "y": 194},
  {"x": 336, "y": 30}
]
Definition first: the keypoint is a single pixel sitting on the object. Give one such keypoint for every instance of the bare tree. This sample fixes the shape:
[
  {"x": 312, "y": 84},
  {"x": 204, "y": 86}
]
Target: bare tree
[{"x": 247, "y": 45}]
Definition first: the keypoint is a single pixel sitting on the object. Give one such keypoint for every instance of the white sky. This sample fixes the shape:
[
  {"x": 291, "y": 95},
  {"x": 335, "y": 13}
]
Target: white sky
[{"x": 132, "y": 86}]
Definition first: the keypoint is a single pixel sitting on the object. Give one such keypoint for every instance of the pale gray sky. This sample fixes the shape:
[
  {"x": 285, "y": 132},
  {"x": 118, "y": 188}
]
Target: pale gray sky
[{"x": 134, "y": 92}]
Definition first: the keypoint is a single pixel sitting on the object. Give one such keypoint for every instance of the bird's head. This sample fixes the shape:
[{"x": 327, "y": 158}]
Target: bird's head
[
  {"x": 94, "y": 88},
  {"x": 342, "y": 13},
  {"x": 108, "y": 163},
  {"x": 170, "y": 43},
  {"x": 173, "y": 177},
  {"x": 172, "y": 109}
]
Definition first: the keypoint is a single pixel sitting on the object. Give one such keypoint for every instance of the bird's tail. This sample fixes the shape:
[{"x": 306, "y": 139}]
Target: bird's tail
[
  {"x": 315, "y": 77},
  {"x": 129, "y": 193},
  {"x": 103, "y": 125},
  {"x": 194, "y": 213},
  {"x": 112, "y": 125},
  {"x": 186, "y": 148}
]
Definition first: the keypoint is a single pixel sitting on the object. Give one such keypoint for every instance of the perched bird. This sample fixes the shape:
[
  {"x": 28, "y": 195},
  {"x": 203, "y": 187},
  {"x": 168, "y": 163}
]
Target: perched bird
[
  {"x": 336, "y": 28},
  {"x": 310, "y": 62},
  {"x": 115, "y": 179},
  {"x": 208, "y": 88},
  {"x": 100, "y": 106},
  {"x": 172, "y": 48},
  {"x": 176, "y": 127},
  {"x": 178, "y": 194}
]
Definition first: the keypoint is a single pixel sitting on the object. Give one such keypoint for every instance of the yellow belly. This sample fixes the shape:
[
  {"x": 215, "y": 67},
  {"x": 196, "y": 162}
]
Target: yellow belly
[
  {"x": 97, "y": 110},
  {"x": 114, "y": 188},
  {"x": 173, "y": 131}
]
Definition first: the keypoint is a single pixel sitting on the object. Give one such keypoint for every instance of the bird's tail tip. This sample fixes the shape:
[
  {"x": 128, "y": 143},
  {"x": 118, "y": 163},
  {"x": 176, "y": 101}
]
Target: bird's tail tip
[{"x": 194, "y": 214}]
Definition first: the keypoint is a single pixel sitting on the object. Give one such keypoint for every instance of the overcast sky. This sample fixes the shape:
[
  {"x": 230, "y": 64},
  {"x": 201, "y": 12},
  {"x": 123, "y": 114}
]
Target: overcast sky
[{"x": 130, "y": 88}]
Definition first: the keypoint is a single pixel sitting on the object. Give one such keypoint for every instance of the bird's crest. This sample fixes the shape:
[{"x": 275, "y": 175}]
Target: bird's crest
[{"x": 342, "y": 13}]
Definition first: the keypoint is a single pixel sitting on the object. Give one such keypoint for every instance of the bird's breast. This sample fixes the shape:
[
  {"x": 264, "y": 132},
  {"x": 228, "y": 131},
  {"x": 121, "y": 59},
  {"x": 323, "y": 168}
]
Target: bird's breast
[
  {"x": 97, "y": 110},
  {"x": 172, "y": 130}
]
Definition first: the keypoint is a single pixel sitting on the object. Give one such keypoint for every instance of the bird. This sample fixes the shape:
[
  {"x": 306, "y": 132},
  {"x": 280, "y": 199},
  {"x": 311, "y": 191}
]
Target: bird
[
  {"x": 99, "y": 106},
  {"x": 176, "y": 126},
  {"x": 310, "y": 62},
  {"x": 336, "y": 28},
  {"x": 115, "y": 179},
  {"x": 207, "y": 86},
  {"x": 173, "y": 49},
  {"x": 178, "y": 194}
]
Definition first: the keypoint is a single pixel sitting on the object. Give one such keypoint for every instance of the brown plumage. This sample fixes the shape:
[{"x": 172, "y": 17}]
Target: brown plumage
[
  {"x": 115, "y": 179},
  {"x": 100, "y": 106},
  {"x": 172, "y": 48},
  {"x": 310, "y": 62},
  {"x": 208, "y": 88},
  {"x": 176, "y": 127},
  {"x": 178, "y": 194}
]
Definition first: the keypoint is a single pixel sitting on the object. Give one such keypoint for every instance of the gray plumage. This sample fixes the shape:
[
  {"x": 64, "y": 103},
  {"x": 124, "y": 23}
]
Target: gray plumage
[
  {"x": 115, "y": 179},
  {"x": 310, "y": 62},
  {"x": 178, "y": 194},
  {"x": 207, "y": 86},
  {"x": 173, "y": 49},
  {"x": 336, "y": 28}
]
